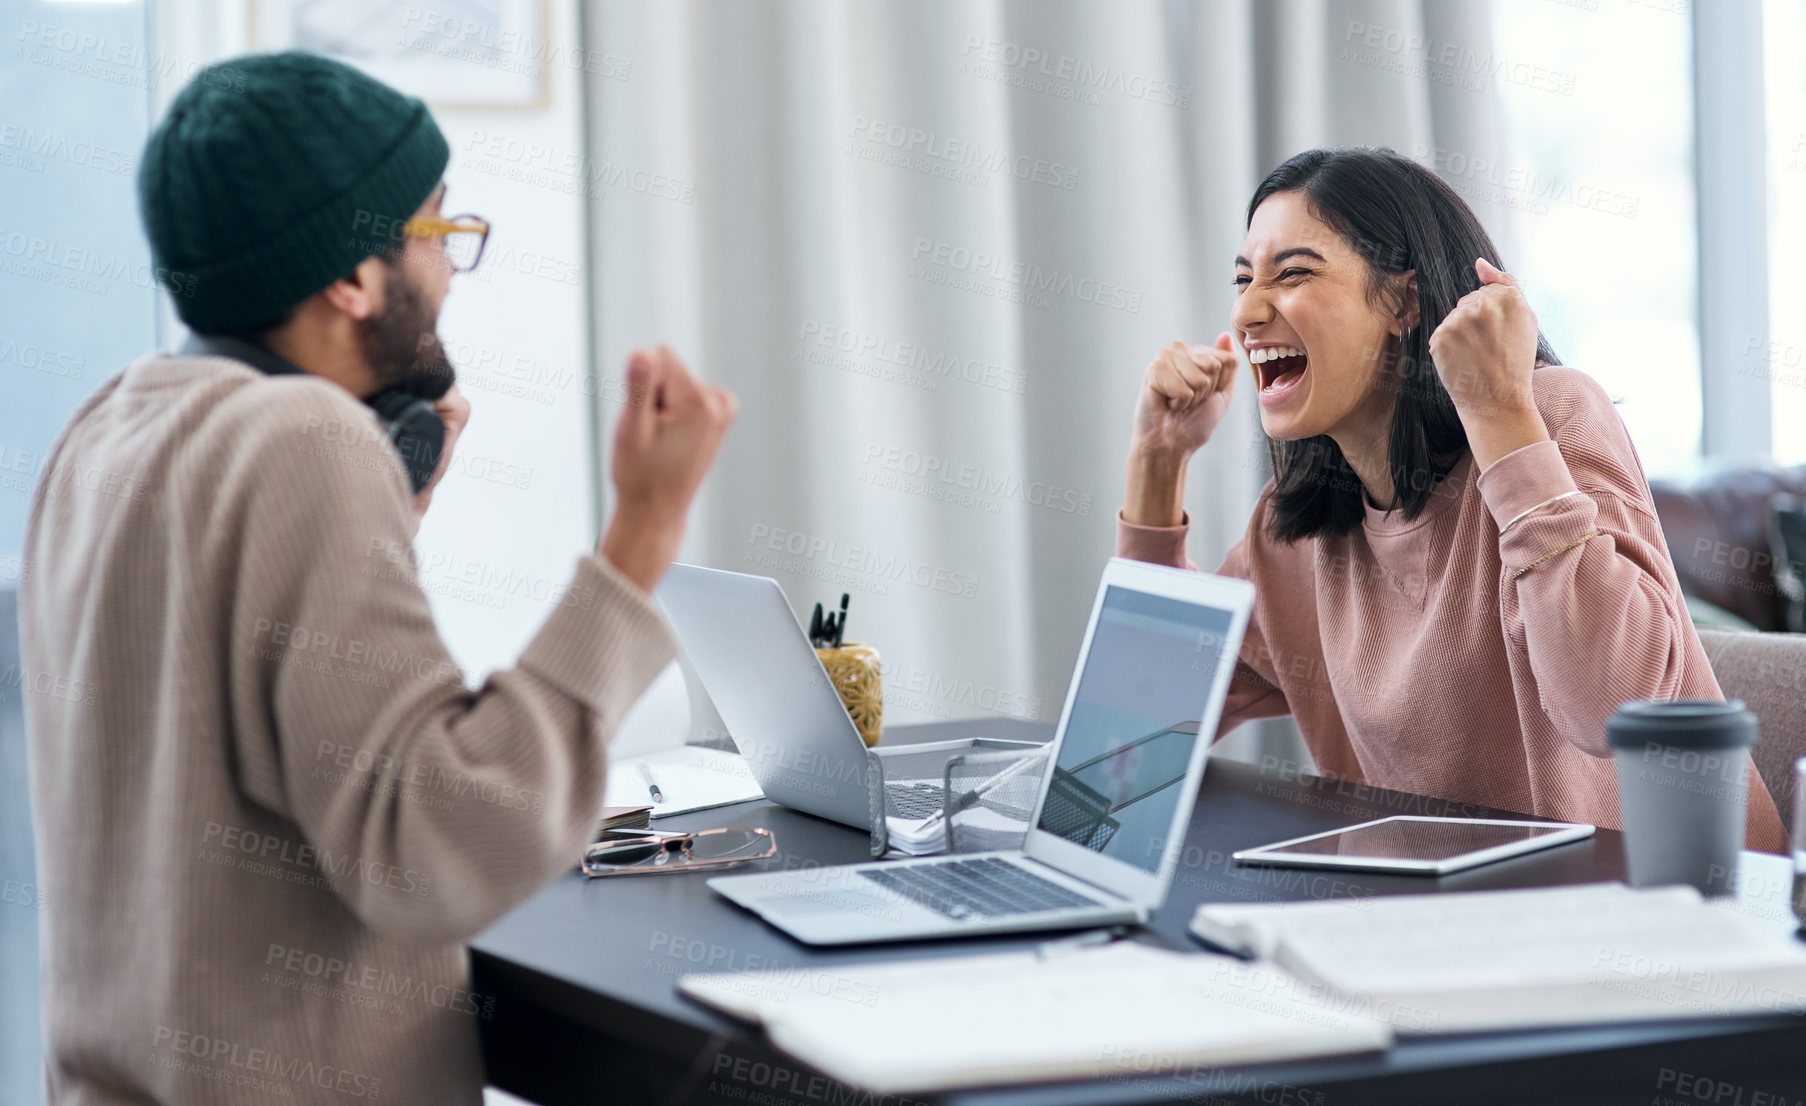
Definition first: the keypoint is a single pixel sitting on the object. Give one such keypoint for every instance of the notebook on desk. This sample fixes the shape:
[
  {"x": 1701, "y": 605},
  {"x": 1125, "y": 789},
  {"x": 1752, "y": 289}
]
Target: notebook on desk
[
  {"x": 1121, "y": 1011},
  {"x": 615, "y": 818},
  {"x": 1523, "y": 959},
  {"x": 689, "y": 777}
]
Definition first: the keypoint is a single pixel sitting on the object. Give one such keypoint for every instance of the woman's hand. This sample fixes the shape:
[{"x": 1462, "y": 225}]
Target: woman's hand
[
  {"x": 1184, "y": 395},
  {"x": 1484, "y": 352}
]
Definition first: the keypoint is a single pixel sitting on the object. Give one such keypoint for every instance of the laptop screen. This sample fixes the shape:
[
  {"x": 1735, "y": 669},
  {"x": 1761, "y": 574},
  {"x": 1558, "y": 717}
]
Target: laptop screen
[{"x": 1133, "y": 725}]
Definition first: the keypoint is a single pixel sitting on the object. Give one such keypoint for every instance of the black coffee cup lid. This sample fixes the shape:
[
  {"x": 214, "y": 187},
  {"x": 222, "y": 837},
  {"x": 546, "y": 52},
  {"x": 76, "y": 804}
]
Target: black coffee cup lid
[{"x": 1681, "y": 723}]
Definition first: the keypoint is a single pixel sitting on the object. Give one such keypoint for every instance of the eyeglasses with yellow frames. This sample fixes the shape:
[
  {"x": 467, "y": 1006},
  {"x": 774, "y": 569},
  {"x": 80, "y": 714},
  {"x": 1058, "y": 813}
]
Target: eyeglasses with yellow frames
[{"x": 462, "y": 236}]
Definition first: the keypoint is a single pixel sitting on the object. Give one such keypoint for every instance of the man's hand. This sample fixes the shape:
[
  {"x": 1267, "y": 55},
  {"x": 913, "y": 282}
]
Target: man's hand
[
  {"x": 664, "y": 443},
  {"x": 1485, "y": 350},
  {"x": 454, "y": 411}
]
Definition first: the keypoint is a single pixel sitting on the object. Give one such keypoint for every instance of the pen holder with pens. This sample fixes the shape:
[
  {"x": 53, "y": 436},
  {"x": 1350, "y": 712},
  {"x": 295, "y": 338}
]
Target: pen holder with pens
[
  {"x": 859, "y": 679},
  {"x": 967, "y": 795}
]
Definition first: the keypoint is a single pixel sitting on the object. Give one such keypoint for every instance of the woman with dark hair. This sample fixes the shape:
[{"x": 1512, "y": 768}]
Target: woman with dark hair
[{"x": 1458, "y": 569}]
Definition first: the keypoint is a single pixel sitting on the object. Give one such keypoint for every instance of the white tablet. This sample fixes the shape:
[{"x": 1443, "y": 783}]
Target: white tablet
[{"x": 1415, "y": 845}]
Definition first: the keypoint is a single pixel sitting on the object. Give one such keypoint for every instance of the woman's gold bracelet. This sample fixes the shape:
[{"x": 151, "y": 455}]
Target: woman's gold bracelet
[
  {"x": 1538, "y": 507},
  {"x": 1556, "y": 553}
]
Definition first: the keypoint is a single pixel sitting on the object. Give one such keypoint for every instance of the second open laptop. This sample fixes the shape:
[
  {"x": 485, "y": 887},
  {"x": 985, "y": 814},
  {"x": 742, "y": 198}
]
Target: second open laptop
[
  {"x": 1106, "y": 831},
  {"x": 780, "y": 708}
]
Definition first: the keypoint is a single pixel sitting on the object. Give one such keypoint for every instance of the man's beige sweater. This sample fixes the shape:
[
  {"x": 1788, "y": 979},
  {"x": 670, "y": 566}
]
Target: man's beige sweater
[{"x": 271, "y": 809}]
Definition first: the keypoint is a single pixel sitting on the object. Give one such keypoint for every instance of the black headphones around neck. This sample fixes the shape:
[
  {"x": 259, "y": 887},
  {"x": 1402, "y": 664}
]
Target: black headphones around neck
[
  {"x": 413, "y": 427},
  {"x": 415, "y": 430}
]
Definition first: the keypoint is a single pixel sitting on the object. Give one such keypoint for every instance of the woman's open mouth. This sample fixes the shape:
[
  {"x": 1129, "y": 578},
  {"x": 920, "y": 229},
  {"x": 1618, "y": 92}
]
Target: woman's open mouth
[{"x": 1280, "y": 369}]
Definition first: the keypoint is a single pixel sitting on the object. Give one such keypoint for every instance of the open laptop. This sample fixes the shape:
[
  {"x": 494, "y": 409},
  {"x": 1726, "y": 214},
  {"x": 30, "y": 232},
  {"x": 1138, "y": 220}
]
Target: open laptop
[
  {"x": 1106, "y": 831},
  {"x": 778, "y": 704}
]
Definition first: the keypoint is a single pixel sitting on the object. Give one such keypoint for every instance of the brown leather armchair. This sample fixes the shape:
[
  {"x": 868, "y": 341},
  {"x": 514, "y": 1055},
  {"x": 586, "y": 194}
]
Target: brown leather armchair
[{"x": 1738, "y": 540}]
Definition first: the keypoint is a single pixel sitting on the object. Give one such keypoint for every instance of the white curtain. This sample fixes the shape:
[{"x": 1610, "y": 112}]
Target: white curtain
[{"x": 932, "y": 247}]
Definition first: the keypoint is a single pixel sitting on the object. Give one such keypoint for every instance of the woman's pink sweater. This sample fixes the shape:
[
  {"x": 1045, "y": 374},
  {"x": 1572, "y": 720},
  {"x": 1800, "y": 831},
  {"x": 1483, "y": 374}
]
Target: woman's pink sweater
[{"x": 1413, "y": 657}]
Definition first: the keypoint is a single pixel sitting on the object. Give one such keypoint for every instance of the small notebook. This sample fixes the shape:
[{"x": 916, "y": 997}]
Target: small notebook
[
  {"x": 622, "y": 817},
  {"x": 689, "y": 777},
  {"x": 1120, "y": 1011},
  {"x": 1493, "y": 960}
]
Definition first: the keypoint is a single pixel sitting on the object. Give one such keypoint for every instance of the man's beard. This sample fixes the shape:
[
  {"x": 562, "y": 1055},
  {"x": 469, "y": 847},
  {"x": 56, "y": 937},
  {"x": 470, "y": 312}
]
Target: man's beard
[{"x": 402, "y": 344}]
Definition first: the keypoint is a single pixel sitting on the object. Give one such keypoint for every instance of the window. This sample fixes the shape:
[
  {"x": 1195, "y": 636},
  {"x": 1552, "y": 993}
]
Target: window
[
  {"x": 75, "y": 272},
  {"x": 1784, "y": 359},
  {"x": 1599, "y": 180}
]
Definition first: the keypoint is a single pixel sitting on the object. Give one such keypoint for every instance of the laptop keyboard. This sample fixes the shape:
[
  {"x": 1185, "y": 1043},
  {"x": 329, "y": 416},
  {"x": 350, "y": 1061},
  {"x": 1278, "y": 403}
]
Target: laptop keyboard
[{"x": 978, "y": 887}]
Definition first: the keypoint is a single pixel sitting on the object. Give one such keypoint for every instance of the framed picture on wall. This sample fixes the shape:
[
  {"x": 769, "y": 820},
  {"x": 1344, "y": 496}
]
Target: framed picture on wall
[{"x": 450, "y": 53}]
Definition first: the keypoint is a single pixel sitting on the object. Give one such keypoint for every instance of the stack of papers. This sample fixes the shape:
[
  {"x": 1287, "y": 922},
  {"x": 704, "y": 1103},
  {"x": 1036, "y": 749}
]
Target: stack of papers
[
  {"x": 916, "y": 836},
  {"x": 1524, "y": 959},
  {"x": 689, "y": 777},
  {"x": 1117, "y": 1012},
  {"x": 980, "y": 829}
]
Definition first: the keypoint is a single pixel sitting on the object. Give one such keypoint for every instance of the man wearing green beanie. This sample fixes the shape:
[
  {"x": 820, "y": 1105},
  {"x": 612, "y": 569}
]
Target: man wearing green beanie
[{"x": 274, "y": 811}]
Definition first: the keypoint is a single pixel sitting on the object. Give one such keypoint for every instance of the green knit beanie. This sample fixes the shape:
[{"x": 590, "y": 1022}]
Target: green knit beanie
[{"x": 272, "y": 176}]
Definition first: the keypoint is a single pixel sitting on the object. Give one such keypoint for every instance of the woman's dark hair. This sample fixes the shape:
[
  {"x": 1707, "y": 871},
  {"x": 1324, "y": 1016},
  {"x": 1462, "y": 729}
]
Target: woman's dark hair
[{"x": 1398, "y": 216}]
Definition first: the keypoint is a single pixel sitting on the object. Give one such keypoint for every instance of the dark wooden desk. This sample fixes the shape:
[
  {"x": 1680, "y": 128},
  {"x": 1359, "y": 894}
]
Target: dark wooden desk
[{"x": 586, "y": 1007}]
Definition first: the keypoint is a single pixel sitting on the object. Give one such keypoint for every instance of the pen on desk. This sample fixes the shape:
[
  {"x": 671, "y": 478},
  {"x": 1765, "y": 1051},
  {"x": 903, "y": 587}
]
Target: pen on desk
[
  {"x": 815, "y": 628},
  {"x": 651, "y": 784},
  {"x": 840, "y": 627}
]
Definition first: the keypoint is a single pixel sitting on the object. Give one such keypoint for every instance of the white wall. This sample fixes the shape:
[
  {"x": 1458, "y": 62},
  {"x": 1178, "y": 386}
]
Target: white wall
[
  {"x": 515, "y": 512},
  {"x": 510, "y": 520}
]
